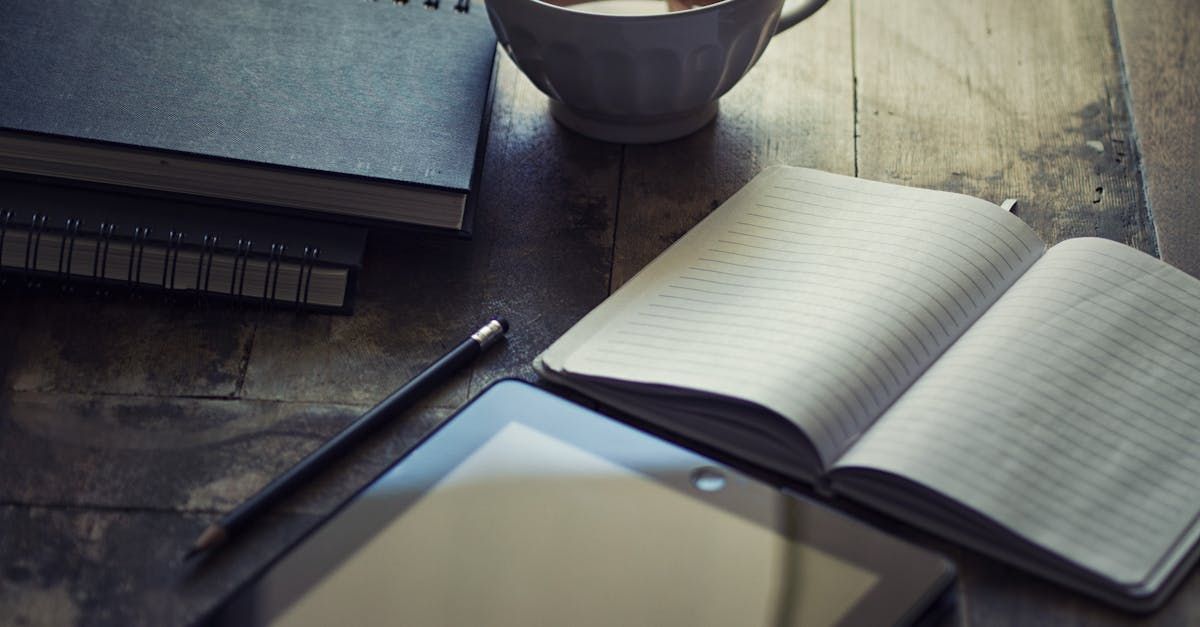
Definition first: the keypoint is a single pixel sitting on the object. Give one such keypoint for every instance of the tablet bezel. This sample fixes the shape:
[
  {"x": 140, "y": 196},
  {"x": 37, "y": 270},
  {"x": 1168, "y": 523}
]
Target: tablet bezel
[{"x": 909, "y": 578}]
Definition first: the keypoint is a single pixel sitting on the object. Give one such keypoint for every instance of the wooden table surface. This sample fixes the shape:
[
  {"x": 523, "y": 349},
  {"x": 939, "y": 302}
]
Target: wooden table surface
[{"x": 126, "y": 426}]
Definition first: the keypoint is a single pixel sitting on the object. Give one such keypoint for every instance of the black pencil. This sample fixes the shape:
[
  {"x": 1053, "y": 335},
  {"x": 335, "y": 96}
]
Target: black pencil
[{"x": 395, "y": 403}]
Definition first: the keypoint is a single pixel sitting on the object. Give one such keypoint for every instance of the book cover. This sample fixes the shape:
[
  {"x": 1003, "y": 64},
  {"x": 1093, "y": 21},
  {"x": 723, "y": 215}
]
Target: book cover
[{"x": 363, "y": 98}]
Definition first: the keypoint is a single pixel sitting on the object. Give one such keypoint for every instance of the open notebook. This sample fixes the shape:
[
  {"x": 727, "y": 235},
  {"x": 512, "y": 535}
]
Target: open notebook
[{"x": 925, "y": 353}]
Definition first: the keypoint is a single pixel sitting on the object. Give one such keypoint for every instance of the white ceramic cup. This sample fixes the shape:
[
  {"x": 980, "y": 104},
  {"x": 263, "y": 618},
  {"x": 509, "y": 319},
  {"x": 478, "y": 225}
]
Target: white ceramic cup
[{"x": 632, "y": 78}]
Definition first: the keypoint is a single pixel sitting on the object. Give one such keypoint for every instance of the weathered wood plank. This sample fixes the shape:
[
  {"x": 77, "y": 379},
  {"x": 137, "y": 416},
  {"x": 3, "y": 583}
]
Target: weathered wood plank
[
  {"x": 1018, "y": 99},
  {"x": 190, "y": 455},
  {"x": 794, "y": 107},
  {"x": 65, "y": 567},
  {"x": 121, "y": 345},
  {"x": 1021, "y": 99},
  {"x": 550, "y": 199},
  {"x": 539, "y": 256},
  {"x": 1002, "y": 595},
  {"x": 416, "y": 300},
  {"x": 994, "y": 594},
  {"x": 1162, "y": 53}
]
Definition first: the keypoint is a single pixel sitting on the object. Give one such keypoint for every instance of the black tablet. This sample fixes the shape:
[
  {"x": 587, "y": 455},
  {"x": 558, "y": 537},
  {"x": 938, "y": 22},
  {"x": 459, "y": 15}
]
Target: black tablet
[{"x": 525, "y": 509}]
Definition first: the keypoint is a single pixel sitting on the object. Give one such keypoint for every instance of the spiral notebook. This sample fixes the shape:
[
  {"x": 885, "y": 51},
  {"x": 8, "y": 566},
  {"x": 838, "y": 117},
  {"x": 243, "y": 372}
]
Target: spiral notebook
[
  {"x": 373, "y": 112},
  {"x": 105, "y": 242}
]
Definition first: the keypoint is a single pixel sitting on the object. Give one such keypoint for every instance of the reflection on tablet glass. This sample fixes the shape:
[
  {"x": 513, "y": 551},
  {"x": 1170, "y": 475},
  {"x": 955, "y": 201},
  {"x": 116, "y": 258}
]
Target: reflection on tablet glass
[{"x": 531, "y": 530}]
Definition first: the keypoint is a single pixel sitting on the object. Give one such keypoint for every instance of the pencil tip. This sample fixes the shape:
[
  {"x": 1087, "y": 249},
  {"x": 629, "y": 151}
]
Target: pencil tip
[{"x": 212, "y": 536}]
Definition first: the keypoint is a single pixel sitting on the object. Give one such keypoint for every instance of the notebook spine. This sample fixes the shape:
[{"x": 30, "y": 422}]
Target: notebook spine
[{"x": 38, "y": 249}]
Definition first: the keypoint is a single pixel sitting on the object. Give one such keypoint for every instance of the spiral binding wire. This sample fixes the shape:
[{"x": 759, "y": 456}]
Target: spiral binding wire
[
  {"x": 31, "y": 267},
  {"x": 33, "y": 245},
  {"x": 309, "y": 260},
  {"x": 271, "y": 279},
  {"x": 171, "y": 260},
  {"x": 202, "y": 268},
  {"x": 137, "y": 248},
  {"x": 106, "y": 233},
  {"x": 5, "y": 219},
  {"x": 240, "y": 257},
  {"x": 70, "y": 236}
]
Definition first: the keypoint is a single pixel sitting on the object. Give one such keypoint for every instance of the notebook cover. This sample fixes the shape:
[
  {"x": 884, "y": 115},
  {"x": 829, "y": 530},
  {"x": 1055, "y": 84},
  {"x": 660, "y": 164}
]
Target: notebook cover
[{"x": 366, "y": 89}]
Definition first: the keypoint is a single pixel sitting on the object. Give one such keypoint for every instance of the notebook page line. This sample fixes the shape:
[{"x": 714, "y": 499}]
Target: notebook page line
[
  {"x": 831, "y": 286},
  {"x": 1080, "y": 355}
]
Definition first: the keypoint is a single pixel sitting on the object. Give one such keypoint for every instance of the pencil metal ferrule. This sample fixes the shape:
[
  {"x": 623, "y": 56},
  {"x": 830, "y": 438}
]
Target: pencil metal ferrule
[{"x": 489, "y": 334}]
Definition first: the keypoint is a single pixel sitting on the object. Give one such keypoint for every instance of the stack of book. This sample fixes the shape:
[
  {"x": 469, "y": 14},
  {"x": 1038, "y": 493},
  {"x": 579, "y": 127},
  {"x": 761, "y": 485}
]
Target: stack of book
[{"x": 234, "y": 148}]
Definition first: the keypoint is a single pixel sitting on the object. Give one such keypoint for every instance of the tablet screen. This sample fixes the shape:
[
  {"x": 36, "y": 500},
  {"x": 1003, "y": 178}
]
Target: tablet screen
[{"x": 532, "y": 530}]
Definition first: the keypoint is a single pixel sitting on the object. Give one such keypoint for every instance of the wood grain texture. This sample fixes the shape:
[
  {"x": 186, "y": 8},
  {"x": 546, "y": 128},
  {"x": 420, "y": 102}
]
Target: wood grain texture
[
  {"x": 549, "y": 205},
  {"x": 194, "y": 455},
  {"x": 125, "y": 426},
  {"x": 998, "y": 595},
  {"x": 1160, "y": 42},
  {"x": 1019, "y": 99},
  {"x": 122, "y": 345},
  {"x": 158, "y": 468},
  {"x": 417, "y": 299},
  {"x": 794, "y": 107},
  {"x": 68, "y": 566}
]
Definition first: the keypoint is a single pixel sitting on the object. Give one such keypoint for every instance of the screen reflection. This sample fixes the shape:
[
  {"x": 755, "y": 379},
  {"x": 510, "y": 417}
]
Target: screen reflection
[{"x": 531, "y": 530}]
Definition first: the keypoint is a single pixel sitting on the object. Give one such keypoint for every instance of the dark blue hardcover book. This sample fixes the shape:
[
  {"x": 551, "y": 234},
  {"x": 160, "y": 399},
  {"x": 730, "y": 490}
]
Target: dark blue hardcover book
[{"x": 369, "y": 111}]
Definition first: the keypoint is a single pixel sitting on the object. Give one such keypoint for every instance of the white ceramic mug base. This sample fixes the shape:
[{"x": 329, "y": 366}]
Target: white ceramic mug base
[{"x": 633, "y": 130}]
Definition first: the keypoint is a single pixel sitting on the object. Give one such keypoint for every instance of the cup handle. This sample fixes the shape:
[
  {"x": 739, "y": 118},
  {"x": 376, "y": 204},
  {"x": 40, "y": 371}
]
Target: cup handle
[{"x": 796, "y": 11}]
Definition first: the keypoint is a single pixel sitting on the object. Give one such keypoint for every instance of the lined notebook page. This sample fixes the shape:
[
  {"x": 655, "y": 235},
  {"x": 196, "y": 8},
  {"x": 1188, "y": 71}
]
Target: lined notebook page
[
  {"x": 820, "y": 297},
  {"x": 1070, "y": 412}
]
